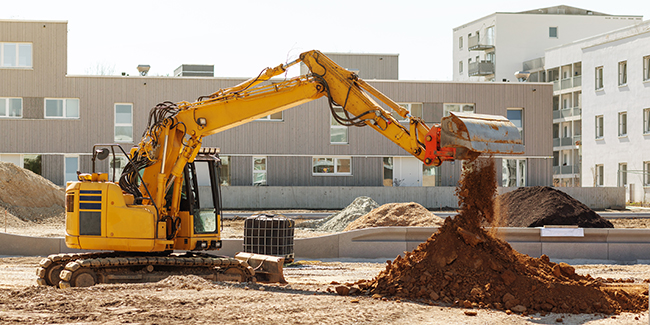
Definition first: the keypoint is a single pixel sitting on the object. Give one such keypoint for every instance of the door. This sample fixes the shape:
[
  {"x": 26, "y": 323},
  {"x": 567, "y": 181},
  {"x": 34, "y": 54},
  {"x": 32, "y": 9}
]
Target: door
[{"x": 407, "y": 171}]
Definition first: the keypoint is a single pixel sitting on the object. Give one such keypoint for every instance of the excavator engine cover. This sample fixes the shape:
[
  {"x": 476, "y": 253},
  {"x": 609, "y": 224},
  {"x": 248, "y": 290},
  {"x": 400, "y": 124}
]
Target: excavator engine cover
[{"x": 491, "y": 134}]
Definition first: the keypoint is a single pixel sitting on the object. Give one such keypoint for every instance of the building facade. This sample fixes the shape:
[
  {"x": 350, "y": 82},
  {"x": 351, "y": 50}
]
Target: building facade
[{"x": 54, "y": 119}]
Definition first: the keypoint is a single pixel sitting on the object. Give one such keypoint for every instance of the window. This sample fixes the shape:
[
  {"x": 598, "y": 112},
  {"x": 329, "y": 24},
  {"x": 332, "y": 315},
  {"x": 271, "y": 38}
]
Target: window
[
  {"x": 61, "y": 108},
  {"x": 16, "y": 55},
  {"x": 388, "y": 171},
  {"x": 11, "y": 107},
  {"x": 599, "y": 78},
  {"x": 273, "y": 117},
  {"x": 516, "y": 116},
  {"x": 117, "y": 163},
  {"x": 600, "y": 175},
  {"x": 646, "y": 121},
  {"x": 622, "y": 73},
  {"x": 622, "y": 174},
  {"x": 224, "y": 171},
  {"x": 489, "y": 33},
  {"x": 71, "y": 165},
  {"x": 431, "y": 175},
  {"x": 622, "y": 124},
  {"x": 338, "y": 132},
  {"x": 646, "y": 68},
  {"x": 460, "y": 42},
  {"x": 513, "y": 172},
  {"x": 463, "y": 108},
  {"x": 414, "y": 109},
  {"x": 259, "y": 171},
  {"x": 646, "y": 173},
  {"x": 552, "y": 32},
  {"x": 123, "y": 123},
  {"x": 33, "y": 163},
  {"x": 600, "y": 126},
  {"x": 460, "y": 67},
  {"x": 322, "y": 166}
]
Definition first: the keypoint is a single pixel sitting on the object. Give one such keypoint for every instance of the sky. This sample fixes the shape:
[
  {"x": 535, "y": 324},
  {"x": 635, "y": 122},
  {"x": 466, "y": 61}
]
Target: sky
[{"x": 240, "y": 38}]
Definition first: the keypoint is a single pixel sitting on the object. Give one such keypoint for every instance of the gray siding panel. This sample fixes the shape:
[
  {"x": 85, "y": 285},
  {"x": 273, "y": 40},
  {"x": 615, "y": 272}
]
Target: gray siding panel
[
  {"x": 33, "y": 107},
  {"x": 52, "y": 168}
]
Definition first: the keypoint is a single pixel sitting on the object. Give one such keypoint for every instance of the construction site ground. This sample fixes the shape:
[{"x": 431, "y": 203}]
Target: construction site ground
[{"x": 308, "y": 298}]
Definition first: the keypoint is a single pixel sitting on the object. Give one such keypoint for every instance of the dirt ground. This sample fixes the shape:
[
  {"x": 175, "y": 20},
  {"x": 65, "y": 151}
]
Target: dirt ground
[{"x": 305, "y": 300}]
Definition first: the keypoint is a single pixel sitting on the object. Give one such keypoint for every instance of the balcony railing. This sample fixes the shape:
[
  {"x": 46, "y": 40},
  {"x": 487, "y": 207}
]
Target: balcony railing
[
  {"x": 567, "y": 112},
  {"x": 566, "y": 170},
  {"x": 566, "y": 141},
  {"x": 534, "y": 64},
  {"x": 474, "y": 44},
  {"x": 556, "y": 85},
  {"x": 577, "y": 81},
  {"x": 481, "y": 68},
  {"x": 567, "y": 83}
]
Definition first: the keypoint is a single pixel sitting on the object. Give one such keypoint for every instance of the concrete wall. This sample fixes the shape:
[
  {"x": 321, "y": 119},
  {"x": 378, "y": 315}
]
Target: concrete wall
[
  {"x": 312, "y": 197},
  {"x": 619, "y": 245}
]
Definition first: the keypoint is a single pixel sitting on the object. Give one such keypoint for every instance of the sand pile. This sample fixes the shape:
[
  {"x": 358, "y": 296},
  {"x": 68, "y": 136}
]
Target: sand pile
[
  {"x": 465, "y": 265},
  {"x": 338, "y": 221},
  {"x": 542, "y": 205},
  {"x": 397, "y": 215},
  {"x": 29, "y": 196}
]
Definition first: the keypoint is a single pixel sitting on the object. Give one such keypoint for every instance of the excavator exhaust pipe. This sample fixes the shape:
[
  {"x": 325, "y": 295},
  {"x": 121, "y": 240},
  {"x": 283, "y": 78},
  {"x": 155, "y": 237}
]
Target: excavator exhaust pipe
[{"x": 473, "y": 134}]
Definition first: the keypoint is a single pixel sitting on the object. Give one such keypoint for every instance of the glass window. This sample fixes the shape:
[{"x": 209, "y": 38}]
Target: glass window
[
  {"x": 33, "y": 163},
  {"x": 622, "y": 73},
  {"x": 16, "y": 55},
  {"x": 464, "y": 108},
  {"x": 516, "y": 116},
  {"x": 622, "y": 174},
  {"x": 599, "y": 127},
  {"x": 118, "y": 163},
  {"x": 224, "y": 171},
  {"x": 460, "y": 42},
  {"x": 489, "y": 35},
  {"x": 415, "y": 109},
  {"x": 9, "y": 55},
  {"x": 388, "y": 171},
  {"x": 599, "y": 78},
  {"x": 460, "y": 67},
  {"x": 646, "y": 120},
  {"x": 552, "y": 32},
  {"x": 600, "y": 175},
  {"x": 71, "y": 165},
  {"x": 123, "y": 122},
  {"x": 61, "y": 108},
  {"x": 622, "y": 124},
  {"x": 513, "y": 172},
  {"x": 259, "y": 171},
  {"x": 338, "y": 132},
  {"x": 331, "y": 166},
  {"x": 646, "y": 68},
  {"x": 11, "y": 107},
  {"x": 273, "y": 117},
  {"x": 646, "y": 173},
  {"x": 431, "y": 175}
]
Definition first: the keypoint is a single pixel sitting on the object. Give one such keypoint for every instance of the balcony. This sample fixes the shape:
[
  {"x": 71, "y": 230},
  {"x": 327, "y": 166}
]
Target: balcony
[
  {"x": 534, "y": 64},
  {"x": 566, "y": 83},
  {"x": 556, "y": 85},
  {"x": 577, "y": 81},
  {"x": 567, "y": 141},
  {"x": 566, "y": 170},
  {"x": 474, "y": 44},
  {"x": 481, "y": 68},
  {"x": 567, "y": 112}
]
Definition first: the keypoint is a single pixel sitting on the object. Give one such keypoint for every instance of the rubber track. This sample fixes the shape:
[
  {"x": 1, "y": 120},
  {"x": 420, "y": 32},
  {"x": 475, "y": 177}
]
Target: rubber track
[{"x": 110, "y": 262}]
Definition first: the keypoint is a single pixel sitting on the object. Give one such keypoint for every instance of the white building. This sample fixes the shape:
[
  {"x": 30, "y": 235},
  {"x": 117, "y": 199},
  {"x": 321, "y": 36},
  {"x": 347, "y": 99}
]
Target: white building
[{"x": 494, "y": 47}]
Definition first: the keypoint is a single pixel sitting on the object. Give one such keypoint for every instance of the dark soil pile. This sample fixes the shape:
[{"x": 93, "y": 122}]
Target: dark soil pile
[
  {"x": 538, "y": 206},
  {"x": 397, "y": 215},
  {"x": 464, "y": 265}
]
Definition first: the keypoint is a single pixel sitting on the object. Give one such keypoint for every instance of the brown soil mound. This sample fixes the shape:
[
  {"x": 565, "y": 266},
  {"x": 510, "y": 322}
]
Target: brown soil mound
[
  {"x": 395, "y": 215},
  {"x": 538, "y": 206},
  {"x": 465, "y": 265},
  {"x": 29, "y": 196}
]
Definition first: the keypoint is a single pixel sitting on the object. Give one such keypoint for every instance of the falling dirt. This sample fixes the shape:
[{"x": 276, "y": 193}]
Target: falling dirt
[
  {"x": 464, "y": 265},
  {"x": 537, "y": 206},
  {"x": 397, "y": 215}
]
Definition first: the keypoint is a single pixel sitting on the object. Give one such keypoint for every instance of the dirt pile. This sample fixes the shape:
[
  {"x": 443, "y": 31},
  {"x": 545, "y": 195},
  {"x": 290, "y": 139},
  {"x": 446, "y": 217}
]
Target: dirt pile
[
  {"x": 465, "y": 265},
  {"x": 537, "y": 206},
  {"x": 338, "y": 221},
  {"x": 29, "y": 196},
  {"x": 395, "y": 215}
]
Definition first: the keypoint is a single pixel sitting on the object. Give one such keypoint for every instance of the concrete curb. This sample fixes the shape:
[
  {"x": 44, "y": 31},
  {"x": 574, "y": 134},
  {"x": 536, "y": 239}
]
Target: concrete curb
[{"x": 621, "y": 245}]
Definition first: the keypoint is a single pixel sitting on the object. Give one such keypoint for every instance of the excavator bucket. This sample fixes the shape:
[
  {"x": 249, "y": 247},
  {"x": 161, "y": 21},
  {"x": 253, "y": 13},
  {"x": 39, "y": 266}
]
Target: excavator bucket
[
  {"x": 267, "y": 268},
  {"x": 480, "y": 133}
]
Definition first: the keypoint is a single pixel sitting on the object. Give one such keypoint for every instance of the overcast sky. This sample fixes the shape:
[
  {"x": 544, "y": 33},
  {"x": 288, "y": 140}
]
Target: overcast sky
[{"x": 242, "y": 37}]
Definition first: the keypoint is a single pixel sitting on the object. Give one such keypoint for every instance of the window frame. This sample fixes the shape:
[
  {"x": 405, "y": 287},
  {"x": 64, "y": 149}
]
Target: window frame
[
  {"x": 65, "y": 167},
  {"x": 260, "y": 171},
  {"x": 18, "y": 52},
  {"x": 557, "y": 30},
  {"x": 622, "y": 73},
  {"x": 646, "y": 173},
  {"x": 600, "y": 127},
  {"x": 409, "y": 107},
  {"x": 460, "y": 43},
  {"x": 65, "y": 111},
  {"x": 521, "y": 128},
  {"x": 646, "y": 68},
  {"x": 600, "y": 175},
  {"x": 599, "y": 78},
  {"x": 116, "y": 125},
  {"x": 646, "y": 121},
  {"x": 622, "y": 124},
  {"x": 460, "y": 67},
  {"x": 270, "y": 118},
  {"x": 461, "y": 106},
  {"x": 7, "y": 110},
  {"x": 521, "y": 174},
  {"x": 335, "y": 160},
  {"x": 336, "y": 125},
  {"x": 621, "y": 179}
]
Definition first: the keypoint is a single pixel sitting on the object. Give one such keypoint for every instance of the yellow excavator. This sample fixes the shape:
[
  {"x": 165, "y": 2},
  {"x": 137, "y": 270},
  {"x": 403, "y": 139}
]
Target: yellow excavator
[{"x": 135, "y": 228}]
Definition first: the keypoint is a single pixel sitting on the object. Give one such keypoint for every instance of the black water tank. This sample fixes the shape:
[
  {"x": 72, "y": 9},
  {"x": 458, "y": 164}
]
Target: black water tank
[{"x": 269, "y": 235}]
